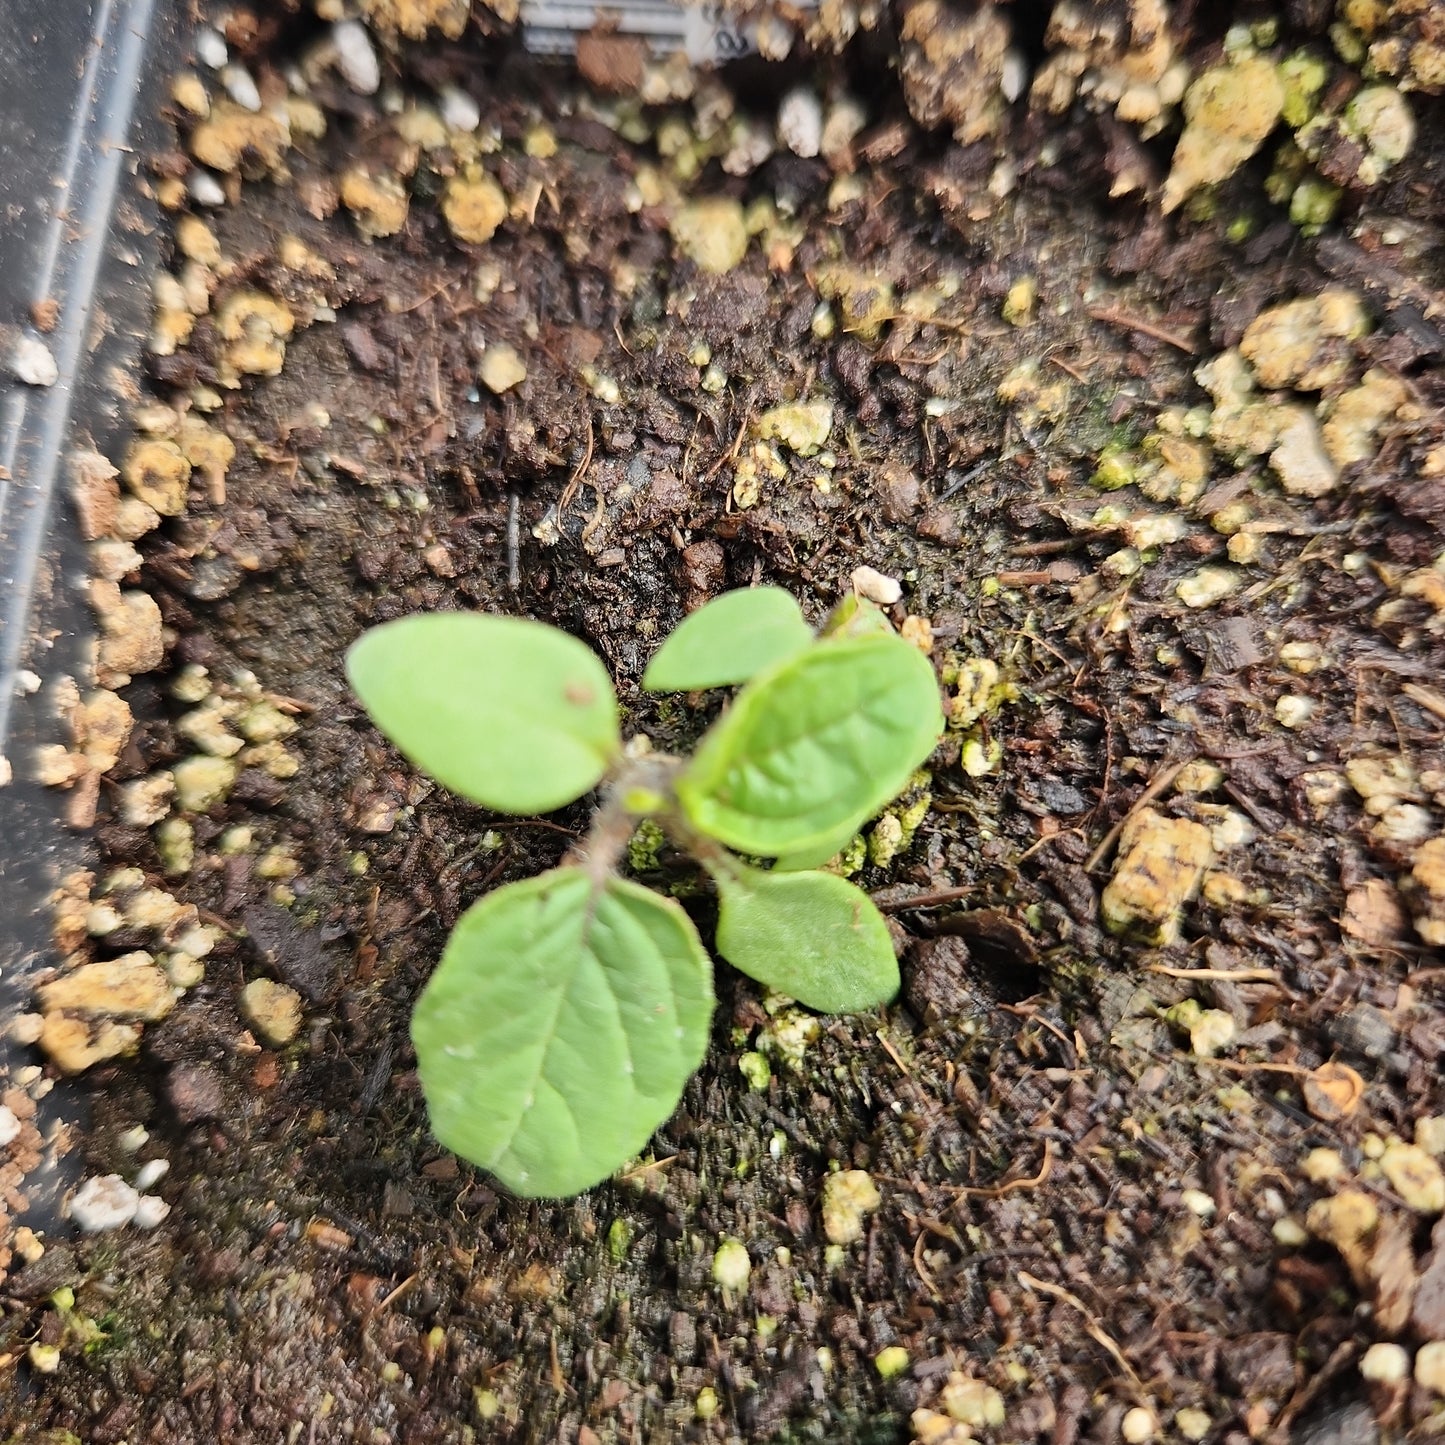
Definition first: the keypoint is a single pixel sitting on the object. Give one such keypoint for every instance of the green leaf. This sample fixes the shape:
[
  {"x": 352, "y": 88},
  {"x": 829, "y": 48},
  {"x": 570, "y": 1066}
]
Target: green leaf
[
  {"x": 560, "y": 1028},
  {"x": 813, "y": 746},
  {"x": 855, "y": 616},
  {"x": 512, "y": 714},
  {"x": 729, "y": 640},
  {"x": 817, "y": 855},
  {"x": 812, "y": 936}
]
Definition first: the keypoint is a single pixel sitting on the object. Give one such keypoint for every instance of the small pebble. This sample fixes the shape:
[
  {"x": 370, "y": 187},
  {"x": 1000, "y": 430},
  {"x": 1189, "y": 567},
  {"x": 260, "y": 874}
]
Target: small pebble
[
  {"x": 273, "y": 1010},
  {"x": 32, "y": 363},
  {"x": 800, "y": 122},
  {"x": 1193, "y": 1423},
  {"x": 891, "y": 1362},
  {"x": 1014, "y": 79},
  {"x": 875, "y": 586},
  {"x": 9, "y": 1125},
  {"x": 973, "y": 1403},
  {"x": 210, "y": 49},
  {"x": 1138, "y": 1426},
  {"x": 847, "y": 1198},
  {"x": 150, "y": 1172},
  {"x": 1289, "y": 1233},
  {"x": 1415, "y": 1177},
  {"x": 241, "y": 87},
  {"x": 459, "y": 110},
  {"x": 731, "y": 1267},
  {"x": 107, "y": 1202},
  {"x": 1388, "y": 1363},
  {"x": 205, "y": 189},
  {"x": 1430, "y": 1366},
  {"x": 1197, "y": 1202},
  {"x": 501, "y": 368},
  {"x": 1207, "y": 586},
  {"x": 44, "y": 1359},
  {"x": 150, "y": 1209},
  {"x": 1293, "y": 711},
  {"x": 356, "y": 57}
]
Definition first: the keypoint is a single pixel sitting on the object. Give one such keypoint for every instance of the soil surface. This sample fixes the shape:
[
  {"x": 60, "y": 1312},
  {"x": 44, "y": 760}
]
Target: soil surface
[{"x": 1086, "y": 1205}]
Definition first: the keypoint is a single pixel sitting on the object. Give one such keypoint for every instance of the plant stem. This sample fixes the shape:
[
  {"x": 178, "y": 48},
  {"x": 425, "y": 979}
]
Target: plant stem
[{"x": 614, "y": 822}]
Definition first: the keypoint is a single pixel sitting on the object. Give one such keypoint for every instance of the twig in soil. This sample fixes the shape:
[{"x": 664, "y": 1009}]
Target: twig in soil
[
  {"x": 283, "y": 702},
  {"x": 1427, "y": 697},
  {"x": 1225, "y": 975},
  {"x": 598, "y": 514},
  {"x": 928, "y": 1281},
  {"x": 1343, "y": 1353},
  {"x": 1092, "y": 1326},
  {"x": 892, "y": 1052},
  {"x": 732, "y": 451},
  {"x": 998, "y": 1191},
  {"x": 1048, "y": 548},
  {"x": 648, "y": 1168},
  {"x": 928, "y": 1226},
  {"x": 391, "y": 1299},
  {"x": 1031, "y": 1013},
  {"x": 514, "y": 541},
  {"x": 559, "y": 1381},
  {"x": 1244, "y": 1066},
  {"x": 1160, "y": 782},
  {"x": 578, "y": 472},
  {"x": 423, "y": 299},
  {"x": 1143, "y": 327},
  {"x": 959, "y": 483},
  {"x": 534, "y": 823},
  {"x": 932, "y": 899}
]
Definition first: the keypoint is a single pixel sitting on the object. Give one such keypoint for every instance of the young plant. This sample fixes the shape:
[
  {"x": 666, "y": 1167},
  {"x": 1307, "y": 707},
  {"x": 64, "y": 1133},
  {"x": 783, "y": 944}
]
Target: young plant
[{"x": 569, "y": 1010}]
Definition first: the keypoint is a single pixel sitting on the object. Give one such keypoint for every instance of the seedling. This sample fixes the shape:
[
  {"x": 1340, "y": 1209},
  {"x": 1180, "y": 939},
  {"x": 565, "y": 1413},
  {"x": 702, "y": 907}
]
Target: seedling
[{"x": 569, "y": 1010}]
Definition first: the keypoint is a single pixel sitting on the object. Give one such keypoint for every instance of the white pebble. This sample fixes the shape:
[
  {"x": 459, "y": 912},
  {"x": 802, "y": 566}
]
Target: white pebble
[
  {"x": 150, "y": 1172},
  {"x": 800, "y": 122},
  {"x": 26, "y": 682},
  {"x": 32, "y": 363},
  {"x": 205, "y": 189},
  {"x": 211, "y": 49},
  {"x": 356, "y": 57},
  {"x": 1293, "y": 710},
  {"x": 241, "y": 87},
  {"x": 1015, "y": 76},
  {"x": 9, "y": 1125},
  {"x": 104, "y": 1203},
  {"x": 150, "y": 1209},
  {"x": 874, "y": 586},
  {"x": 459, "y": 110},
  {"x": 1385, "y": 1362}
]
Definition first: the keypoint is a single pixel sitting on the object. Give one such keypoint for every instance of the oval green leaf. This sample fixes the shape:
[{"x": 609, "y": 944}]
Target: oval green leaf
[
  {"x": 855, "y": 616},
  {"x": 812, "y": 936},
  {"x": 509, "y": 713},
  {"x": 560, "y": 1028},
  {"x": 732, "y": 638},
  {"x": 819, "y": 854},
  {"x": 815, "y": 745}
]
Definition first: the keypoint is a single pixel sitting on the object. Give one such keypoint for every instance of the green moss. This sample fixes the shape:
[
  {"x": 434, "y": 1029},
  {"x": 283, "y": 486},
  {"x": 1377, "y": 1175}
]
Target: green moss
[
  {"x": 644, "y": 849},
  {"x": 1303, "y": 76},
  {"x": 1114, "y": 469},
  {"x": 1314, "y": 203}
]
